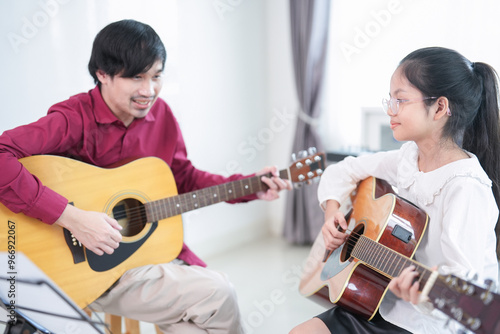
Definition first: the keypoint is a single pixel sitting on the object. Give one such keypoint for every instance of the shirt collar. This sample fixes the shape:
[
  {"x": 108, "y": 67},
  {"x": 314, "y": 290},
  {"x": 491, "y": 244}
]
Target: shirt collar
[
  {"x": 430, "y": 184},
  {"x": 104, "y": 115}
]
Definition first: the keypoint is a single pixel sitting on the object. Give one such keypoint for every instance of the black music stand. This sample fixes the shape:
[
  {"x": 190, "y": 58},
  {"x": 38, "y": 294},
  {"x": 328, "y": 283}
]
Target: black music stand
[{"x": 28, "y": 295}]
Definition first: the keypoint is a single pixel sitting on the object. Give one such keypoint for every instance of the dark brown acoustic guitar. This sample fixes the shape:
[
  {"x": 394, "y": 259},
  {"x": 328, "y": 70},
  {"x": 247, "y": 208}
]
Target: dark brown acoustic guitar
[{"x": 385, "y": 233}]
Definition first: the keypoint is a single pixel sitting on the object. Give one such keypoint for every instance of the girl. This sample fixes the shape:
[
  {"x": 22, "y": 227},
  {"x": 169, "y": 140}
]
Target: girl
[{"x": 445, "y": 107}]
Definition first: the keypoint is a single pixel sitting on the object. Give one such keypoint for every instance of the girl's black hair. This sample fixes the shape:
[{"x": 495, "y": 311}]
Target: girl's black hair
[
  {"x": 127, "y": 48},
  {"x": 472, "y": 92}
]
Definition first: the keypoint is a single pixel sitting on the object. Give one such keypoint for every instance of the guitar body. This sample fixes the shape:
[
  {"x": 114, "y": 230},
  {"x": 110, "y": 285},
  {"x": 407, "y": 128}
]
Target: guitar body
[
  {"x": 380, "y": 215},
  {"x": 103, "y": 190}
]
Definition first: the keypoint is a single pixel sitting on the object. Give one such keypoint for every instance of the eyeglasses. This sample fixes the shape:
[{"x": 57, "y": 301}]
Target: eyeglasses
[{"x": 393, "y": 103}]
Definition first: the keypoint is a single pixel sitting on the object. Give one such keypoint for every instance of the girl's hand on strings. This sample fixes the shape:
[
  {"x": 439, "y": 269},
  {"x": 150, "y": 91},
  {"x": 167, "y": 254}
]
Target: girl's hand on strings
[{"x": 334, "y": 227}]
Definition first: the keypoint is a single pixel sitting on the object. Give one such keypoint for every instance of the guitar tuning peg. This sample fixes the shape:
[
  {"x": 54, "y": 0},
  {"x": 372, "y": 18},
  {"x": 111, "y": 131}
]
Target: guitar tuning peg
[
  {"x": 471, "y": 276},
  {"x": 294, "y": 156},
  {"x": 312, "y": 150},
  {"x": 297, "y": 185},
  {"x": 302, "y": 154},
  {"x": 451, "y": 280},
  {"x": 457, "y": 313},
  {"x": 487, "y": 295},
  {"x": 490, "y": 284},
  {"x": 473, "y": 323}
]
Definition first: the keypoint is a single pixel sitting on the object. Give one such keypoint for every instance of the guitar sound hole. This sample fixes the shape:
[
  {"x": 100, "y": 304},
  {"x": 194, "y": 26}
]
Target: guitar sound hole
[
  {"x": 351, "y": 242},
  {"x": 131, "y": 215}
]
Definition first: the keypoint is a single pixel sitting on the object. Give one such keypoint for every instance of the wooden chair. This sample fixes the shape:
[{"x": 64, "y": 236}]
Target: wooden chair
[{"x": 115, "y": 324}]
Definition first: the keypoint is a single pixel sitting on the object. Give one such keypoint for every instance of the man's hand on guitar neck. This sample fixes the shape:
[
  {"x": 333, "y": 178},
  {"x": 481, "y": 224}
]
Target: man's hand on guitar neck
[
  {"x": 97, "y": 231},
  {"x": 275, "y": 184}
]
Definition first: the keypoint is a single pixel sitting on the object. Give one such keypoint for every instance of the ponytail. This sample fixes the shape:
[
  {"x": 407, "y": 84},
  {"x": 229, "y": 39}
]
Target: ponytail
[{"x": 482, "y": 137}]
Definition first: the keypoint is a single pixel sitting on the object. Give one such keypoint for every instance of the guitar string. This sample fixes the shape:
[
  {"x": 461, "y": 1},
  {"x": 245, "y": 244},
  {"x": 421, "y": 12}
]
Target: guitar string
[
  {"x": 177, "y": 207},
  {"x": 135, "y": 215},
  {"x": 239, "y": 187},
  {"x": 353, "y": 242},
  {"x": 253, "y": 182},
  {"x": 138, "y": 212}
]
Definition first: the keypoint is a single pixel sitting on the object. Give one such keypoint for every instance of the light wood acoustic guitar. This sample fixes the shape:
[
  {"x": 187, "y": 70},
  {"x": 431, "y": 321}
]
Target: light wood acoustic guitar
[
  {"x": 385, "y": 231},
  {"x": 142, "y": 196}
]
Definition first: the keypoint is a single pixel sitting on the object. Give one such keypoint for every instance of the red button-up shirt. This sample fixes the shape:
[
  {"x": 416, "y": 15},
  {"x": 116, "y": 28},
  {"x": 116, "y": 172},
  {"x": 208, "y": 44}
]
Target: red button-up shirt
[{"x": 84, "y": 128}]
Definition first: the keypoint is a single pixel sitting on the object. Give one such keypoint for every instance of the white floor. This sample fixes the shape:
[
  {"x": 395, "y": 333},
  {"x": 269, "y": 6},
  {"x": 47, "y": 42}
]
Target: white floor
[{"x": 266, "y": 275}]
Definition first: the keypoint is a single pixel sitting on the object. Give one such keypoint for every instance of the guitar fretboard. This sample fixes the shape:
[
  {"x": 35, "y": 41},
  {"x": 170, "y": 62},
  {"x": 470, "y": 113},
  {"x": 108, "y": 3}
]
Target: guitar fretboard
[
  {"x": 458, "y": 299},
  {"x": 176, "y": 205},
  {"x": 386, "y": 260}
]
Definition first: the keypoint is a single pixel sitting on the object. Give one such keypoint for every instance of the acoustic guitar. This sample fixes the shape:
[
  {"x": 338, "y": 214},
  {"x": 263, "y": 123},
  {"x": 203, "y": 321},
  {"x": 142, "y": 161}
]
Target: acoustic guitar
[
  {"x": 385, "y": 233},
  {"x": 142, "y": 196}
]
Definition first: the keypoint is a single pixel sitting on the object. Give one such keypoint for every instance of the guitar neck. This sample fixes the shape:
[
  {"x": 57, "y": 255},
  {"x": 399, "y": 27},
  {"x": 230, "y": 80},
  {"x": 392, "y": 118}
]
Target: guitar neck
[
  {"x": 176, "y": 205},
  {"x": 474, "y": 307},
  {"x": 386, "y": 260}
]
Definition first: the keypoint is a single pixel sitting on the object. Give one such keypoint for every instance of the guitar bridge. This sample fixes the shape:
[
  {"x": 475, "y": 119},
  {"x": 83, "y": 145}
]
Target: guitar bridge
[{"x": 75, "y": 247}]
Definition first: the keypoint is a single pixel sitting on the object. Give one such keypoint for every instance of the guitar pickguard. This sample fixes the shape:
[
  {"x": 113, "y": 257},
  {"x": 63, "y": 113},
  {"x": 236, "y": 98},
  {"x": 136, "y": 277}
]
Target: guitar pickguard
[
  {"x": 336, "y": 261},
  {"x": 334, "y": 265},
  {"x": 106, "y": 262}
]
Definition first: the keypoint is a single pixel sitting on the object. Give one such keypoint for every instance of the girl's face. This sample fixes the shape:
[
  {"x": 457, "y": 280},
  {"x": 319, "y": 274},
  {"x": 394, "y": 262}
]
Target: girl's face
[{"x": 413, "y": 120}]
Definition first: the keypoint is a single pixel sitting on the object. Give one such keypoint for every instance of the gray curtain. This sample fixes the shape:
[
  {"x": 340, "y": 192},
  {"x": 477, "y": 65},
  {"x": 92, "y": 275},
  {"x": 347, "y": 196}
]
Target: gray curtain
[{"x": 309, "y": 30}]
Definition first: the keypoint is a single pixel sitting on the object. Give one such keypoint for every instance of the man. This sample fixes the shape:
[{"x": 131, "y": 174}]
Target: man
[{"x": 123, "y": 117}]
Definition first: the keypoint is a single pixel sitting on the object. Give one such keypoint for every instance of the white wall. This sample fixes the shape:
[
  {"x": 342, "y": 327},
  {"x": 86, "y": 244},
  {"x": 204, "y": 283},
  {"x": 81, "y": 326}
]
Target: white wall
[
  {"x": 218, "y": 79},
  {"x": 224, "y": 109}
]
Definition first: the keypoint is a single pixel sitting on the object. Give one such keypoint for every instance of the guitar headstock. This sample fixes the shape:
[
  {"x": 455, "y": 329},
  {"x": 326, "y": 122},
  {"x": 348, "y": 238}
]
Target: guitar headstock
[
  {"x": 308, "y": 168},
  {"x": 476, "y": 308}
]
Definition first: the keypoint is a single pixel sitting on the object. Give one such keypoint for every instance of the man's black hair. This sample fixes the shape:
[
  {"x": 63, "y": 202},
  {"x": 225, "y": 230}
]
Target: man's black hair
[{"x": 127, "y": 48}]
